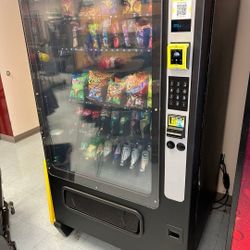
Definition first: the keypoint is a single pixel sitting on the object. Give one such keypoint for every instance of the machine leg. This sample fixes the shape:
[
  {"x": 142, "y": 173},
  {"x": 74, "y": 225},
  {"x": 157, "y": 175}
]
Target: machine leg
[{"x": 63, "y": 229}]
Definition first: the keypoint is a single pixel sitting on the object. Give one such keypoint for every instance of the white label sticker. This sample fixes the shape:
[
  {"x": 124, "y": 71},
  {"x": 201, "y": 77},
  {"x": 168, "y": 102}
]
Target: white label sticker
[{"x": 181, "y": 9}]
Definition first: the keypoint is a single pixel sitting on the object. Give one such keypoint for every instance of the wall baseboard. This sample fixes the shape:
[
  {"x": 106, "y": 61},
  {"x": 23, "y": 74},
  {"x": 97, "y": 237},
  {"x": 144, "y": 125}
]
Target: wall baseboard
[
  {"x": 7, "y": 138},
  {"x": 22, "y": 136}
]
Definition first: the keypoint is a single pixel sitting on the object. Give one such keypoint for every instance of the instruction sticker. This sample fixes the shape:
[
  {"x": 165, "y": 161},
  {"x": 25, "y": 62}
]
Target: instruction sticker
[{"x": 181, "y": 9}]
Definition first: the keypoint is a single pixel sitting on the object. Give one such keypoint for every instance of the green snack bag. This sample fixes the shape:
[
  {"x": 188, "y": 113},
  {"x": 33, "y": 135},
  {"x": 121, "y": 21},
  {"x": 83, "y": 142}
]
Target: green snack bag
[{"x": 78, "y": 84}]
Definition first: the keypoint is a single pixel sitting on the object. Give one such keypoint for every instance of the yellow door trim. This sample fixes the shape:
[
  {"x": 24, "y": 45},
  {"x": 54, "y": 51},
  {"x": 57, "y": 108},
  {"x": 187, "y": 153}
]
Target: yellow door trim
[{"x": 49, "y": 196}]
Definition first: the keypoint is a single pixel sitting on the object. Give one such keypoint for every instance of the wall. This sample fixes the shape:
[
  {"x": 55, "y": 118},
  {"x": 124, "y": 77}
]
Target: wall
[
  {"x": 18, "y": 86},
  {"x": 237, "y": 94}
]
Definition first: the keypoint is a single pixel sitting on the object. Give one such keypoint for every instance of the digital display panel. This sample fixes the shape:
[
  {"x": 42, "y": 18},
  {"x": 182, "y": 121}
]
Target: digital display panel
[{"x": 181, "y": 25}]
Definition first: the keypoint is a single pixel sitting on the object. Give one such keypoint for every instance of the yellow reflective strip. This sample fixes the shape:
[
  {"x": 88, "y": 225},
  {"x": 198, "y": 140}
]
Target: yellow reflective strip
[{"x": 52, "y": 217}]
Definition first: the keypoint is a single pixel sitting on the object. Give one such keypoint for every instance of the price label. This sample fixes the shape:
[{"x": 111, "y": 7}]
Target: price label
[{"x": 181, "y": 9}]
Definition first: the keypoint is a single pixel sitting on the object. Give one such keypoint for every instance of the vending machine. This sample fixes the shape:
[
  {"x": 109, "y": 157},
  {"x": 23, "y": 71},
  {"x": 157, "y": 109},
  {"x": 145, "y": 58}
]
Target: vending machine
[{"x": 131, "y": 96}]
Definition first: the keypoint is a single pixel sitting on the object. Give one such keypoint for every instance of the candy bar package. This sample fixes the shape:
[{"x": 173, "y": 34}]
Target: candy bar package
[
  {"x": 97, "y": 85},
  {"x": 125, "y": 32},
  {"x": 115, "y": 93},
  {"x": 136, "y": 89},
  {"x": 93, "y": 38},
  {"x": 128, "y": 31},
  {"x": 109, "y": 7},
  {"x": 115, "y": 30},
  {"x": 79, "y": 82},
  {"x": 132, "y": 7},
  {"x": 67, "y": 7},
  {"x": 144, "y": 33},
  {"x": 106, "y": 24},
  {"x": 75, "y": 30}
]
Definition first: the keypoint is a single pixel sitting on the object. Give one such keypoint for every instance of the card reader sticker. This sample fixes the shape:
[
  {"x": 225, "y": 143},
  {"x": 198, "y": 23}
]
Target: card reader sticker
[
  {"x": 176, "y": 126},
  {"x": 176, "y": 121},
  {"x": 181, "y": 9}
]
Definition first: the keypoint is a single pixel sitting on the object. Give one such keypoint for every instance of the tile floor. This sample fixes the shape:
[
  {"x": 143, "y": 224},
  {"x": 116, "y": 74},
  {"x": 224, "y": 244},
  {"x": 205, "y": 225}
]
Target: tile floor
[{"x": 23, "y": 183}]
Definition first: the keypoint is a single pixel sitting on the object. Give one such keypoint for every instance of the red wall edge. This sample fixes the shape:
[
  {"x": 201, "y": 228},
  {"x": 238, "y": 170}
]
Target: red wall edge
[
  {"x": 5, "y": 125},
  {"x": 241, "y": 234}
]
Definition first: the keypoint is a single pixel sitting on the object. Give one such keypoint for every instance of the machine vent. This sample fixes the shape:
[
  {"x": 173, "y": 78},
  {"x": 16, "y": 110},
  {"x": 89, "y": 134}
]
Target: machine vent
[{"x": 110, "y": 213}]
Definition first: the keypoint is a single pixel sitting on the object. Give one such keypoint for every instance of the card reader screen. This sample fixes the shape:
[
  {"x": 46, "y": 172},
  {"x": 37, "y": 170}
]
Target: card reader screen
[
  {"x": 176, "y": 121},
  {"x": 176, "y": 126}
]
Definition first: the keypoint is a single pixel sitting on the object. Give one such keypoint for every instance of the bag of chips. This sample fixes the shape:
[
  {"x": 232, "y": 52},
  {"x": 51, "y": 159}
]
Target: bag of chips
[
  {"x": 79, "y": 82},
  {"x": 115, "y": 91},
  {"x": 136, "y": 89},
  {"x": 97, "y": 85}
]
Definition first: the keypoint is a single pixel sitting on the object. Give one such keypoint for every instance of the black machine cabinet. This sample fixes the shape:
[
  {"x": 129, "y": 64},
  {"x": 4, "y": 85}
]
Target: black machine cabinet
[{"x": 132, "y": 96}]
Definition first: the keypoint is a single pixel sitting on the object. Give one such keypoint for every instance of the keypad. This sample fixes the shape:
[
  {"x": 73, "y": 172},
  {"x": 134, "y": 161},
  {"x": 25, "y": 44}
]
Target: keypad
[{"x": 178, "y": 93}]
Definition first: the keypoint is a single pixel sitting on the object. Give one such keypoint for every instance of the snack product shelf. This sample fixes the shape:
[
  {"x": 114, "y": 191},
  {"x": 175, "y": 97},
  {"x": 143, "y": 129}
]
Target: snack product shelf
[{"x": 113, "y": 50}]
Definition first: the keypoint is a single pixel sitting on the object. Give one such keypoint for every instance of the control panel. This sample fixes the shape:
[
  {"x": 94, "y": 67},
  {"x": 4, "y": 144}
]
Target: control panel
[
  {"x": 178, "y": 89},
  {"x": 181, "y": 21}
]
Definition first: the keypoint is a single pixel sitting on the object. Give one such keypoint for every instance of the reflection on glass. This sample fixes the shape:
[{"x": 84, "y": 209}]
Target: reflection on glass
[{"x": 94, "y": 59}]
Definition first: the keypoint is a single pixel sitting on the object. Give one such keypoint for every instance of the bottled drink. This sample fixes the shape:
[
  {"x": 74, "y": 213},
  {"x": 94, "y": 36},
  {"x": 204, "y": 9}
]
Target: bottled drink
[{"x": 126, "y": 154}]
